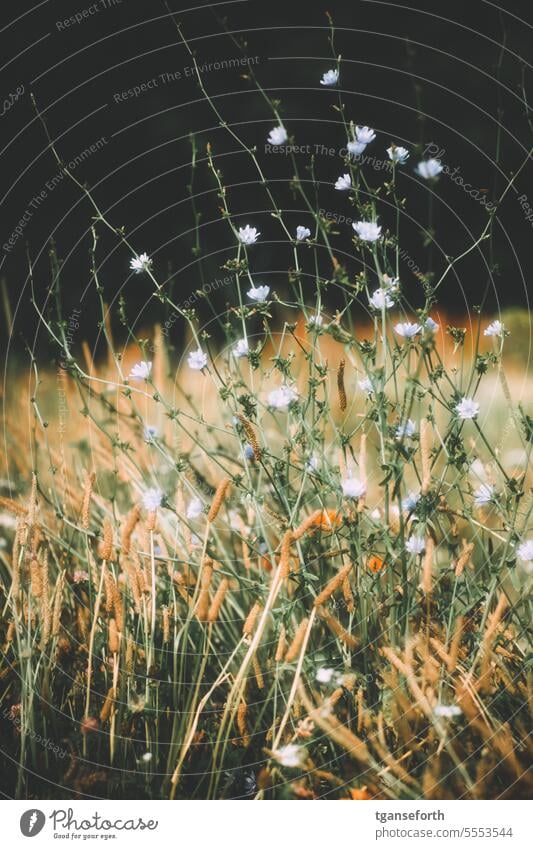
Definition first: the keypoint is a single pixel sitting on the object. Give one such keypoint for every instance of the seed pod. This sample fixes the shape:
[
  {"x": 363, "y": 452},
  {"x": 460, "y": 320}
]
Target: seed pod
[
  {"x": 129, "y": 526},
  {"x": 113, "y": 640},
  {"x": 282, "y": 644},
  {"x": 202, "y": 609},
  {"x": 87, "y": 495},
  {"x": 107, "y": 544},
  {"x": 333, "y": 585},
  {"x": 249, "y": 623},
  {"x": 107, "y": 707},
  {"x": 250, "y": 435},
  {"x": 294, "y": 649},
  {"x": 340, "y": 386},
  {"x": 218, "y": 499},
  {"x": 36, "y": 578},
  {"x": 218, "y": 600}
]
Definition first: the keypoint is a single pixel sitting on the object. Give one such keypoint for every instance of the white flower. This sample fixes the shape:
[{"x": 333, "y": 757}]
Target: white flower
[
  {"x": 302, "y": 233},
  {"x": 399, "y": 155},
  {"x": 429, "y": 169},
  {"x": 80, "y": 576},
  {"x": 249, "y": 452},
  {"x": 447, "y": 711},
  {"x": 525, "y": 551},
  {"x": 495, "y": 328},
  {"x": 407, "y": 329},
  {"x": 330, "y": 77},
  {"x": 391, "y": 283},
  {"x": 290, "y": 755},
  {"x": 241, "y": 349},
  {"x": 430, "y": 326},
  {"x": 343, "y": 183},
  {"x": 152, "y": 499},
  {"x": 141, "y": 371},
  {"x": 415, "y": 545},
  {"x": 146, "y": 758},
  {"x": 324, "y": 675},
  {"x": 258, "y": 293},
  {"x": 278, "y": 136},
  {"x": 140, "y": 263},
  {"x": 381, "y": 300},
  {"x": 483, "y": 494},
  {"x": 282, "y": 397},
  {"x": 406, "y": 430},
  {"x": 195, "y": 508},
  {"x": 312, "y": 464},
  {"x": 364, "y": 135},
  {"x": 316, "y": 320},
  {"x": 150, "y": 433},
  {"x": 355, "y": 148},
  {"x": 410, "y": 502},
  {"x": 467, "y": 408},
  {"x": 368, "y": 231},
  {"x": 248, "y": 235},
  {"x": 353, "y": 488},
  {"x": 365, "y": 385},
  {"x": 197, "y": 360}
]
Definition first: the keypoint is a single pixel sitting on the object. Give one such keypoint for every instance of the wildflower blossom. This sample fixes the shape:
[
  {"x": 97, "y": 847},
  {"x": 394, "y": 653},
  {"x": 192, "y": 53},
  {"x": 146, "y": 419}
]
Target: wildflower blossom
[
  {"x": 429, "y": 169},
  {"x": 415, "y": 545},
  {"x": 391, "y": 283},
  {"x": 365, "y": 385},
  {"x": 483, "y": 495},
  {"x": 410, "y": 502},
  {"x": 282, "y": 397},
  {"x": 194, "y": 508},
  {"x": 353, "y": 488},
  {"x": 249, "y": 452},
  {"x": 447, "y": 711},
  {"x": 312, "y": 464},
  {"x": 467, "y": 408},
  {"x": 258, "y": 293},
  {"x": 302, "y": 233},
  {"x": 368, "y": 231},
  {"x": 141, "y": 371},
  {"x": 407, "y": 329},
  {"x": 430, "y": 326},
  {"x": 152, "y": 499},
  {"x": 344, "y": 183},
  {"x": 364, "y": 135},
  {"x": 241, "y": 349},
  {"x": 248, "y": 235},
  {"x": 316, "y": 320},
  {"x": 330, "y": 77},
  {"x": 140, "y": 263},
  {"x": 525, "y": 551},
  {"x": 290, "y": 755},
  {"x": 406, "y": 430},
  {"x": 398, "y": 155},
  {"x": 80, "y": 576},
  {"x": 197, "y": 360},
  {"x": 149, "y": 433},
  {"x": 355, "y": 148},
  {"x": 324, "y": 675},
  {"x": 277, "y": 136},
  {"x": 495, "y": 328},
  {"x": 380, "y": 300}
]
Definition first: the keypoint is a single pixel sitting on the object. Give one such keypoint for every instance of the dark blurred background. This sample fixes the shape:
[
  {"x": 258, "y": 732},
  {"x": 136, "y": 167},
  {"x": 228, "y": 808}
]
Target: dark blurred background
[{"x": 425, "y": 72}]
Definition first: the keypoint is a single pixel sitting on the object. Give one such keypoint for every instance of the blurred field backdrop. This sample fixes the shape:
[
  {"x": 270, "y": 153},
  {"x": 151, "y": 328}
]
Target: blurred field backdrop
[{"x": 401, "y": 683}]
